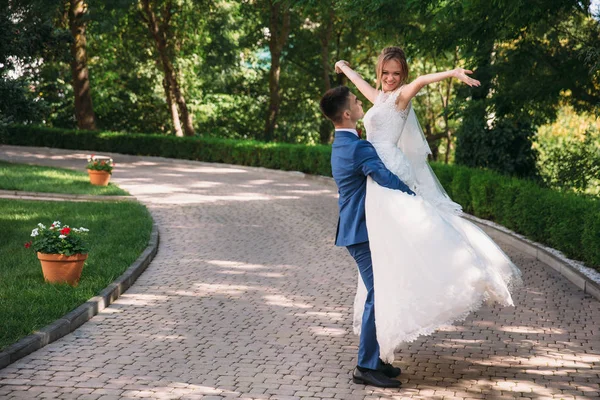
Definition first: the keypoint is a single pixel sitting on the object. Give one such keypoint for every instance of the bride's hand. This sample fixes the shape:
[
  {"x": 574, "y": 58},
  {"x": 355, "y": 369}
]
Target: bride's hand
[
  {"x": 339, "y": 65},
  {"x": 461, "y": 74}
]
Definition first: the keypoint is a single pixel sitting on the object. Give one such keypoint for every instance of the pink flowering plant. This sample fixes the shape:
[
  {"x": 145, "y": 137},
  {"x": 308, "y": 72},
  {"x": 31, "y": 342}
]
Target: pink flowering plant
[
  {"x": 100, "y": 163},
  {"x": 58, "y": 239}
]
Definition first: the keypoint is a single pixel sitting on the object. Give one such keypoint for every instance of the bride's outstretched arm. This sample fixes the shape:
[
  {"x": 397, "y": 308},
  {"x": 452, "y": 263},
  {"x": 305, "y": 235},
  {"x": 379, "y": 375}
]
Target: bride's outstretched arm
[
  {"x": 410, "y": 90},
  {"x": 367, "y": 90}
]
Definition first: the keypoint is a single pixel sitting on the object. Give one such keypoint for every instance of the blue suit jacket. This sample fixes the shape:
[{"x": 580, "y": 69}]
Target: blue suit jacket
[{"x": 352, "y": 160}]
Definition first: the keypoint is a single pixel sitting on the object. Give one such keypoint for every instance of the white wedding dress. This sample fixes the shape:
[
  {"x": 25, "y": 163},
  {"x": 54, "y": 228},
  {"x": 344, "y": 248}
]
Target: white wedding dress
[{"x": 430, "y": 266}]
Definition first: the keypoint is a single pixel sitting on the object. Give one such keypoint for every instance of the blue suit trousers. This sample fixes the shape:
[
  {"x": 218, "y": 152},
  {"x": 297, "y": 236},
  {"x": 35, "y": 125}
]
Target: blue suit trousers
[{"x": 368, "y": 350}]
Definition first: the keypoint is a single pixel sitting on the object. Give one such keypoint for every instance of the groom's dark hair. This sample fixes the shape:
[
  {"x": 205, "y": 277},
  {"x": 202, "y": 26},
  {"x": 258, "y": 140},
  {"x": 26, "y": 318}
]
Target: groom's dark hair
[{"x": 334, "y": 102}]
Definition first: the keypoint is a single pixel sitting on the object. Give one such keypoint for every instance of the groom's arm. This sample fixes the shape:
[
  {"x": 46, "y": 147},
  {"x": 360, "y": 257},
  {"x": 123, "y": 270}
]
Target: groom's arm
[{"x": 368, "y": 162}]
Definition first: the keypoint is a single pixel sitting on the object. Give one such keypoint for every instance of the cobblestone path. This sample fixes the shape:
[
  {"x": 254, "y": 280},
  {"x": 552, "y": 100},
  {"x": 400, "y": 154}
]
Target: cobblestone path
[{"x": 249, "y": 299}]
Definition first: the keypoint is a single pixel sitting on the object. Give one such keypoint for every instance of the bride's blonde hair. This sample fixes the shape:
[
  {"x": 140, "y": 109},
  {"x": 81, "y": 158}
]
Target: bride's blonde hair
[{"x": 392, "y": 53}]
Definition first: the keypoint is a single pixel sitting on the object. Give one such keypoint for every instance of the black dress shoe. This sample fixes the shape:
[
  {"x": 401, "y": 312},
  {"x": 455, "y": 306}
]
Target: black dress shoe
[
  {"x": 374, "y": 378},
  {"x": 388, "y": 369}
]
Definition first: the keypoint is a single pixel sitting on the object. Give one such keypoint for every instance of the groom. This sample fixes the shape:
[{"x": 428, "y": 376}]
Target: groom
[{"x": 352, "y": 160}]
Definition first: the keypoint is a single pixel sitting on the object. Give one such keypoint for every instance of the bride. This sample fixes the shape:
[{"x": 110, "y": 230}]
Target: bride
[{"x": 430, "y": 266}]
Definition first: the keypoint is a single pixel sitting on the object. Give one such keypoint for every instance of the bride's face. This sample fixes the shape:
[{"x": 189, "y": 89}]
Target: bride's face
[{"x": 390, "y": 76}]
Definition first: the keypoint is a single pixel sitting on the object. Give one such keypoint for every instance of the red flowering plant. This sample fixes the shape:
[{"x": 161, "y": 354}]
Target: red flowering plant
[
  {"x": 100, "y": 163},
  {"x": 58, "y": 239}
]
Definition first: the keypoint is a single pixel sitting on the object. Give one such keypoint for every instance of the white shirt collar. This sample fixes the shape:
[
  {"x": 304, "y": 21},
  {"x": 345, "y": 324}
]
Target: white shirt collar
[{"x": 347, "y": 130}]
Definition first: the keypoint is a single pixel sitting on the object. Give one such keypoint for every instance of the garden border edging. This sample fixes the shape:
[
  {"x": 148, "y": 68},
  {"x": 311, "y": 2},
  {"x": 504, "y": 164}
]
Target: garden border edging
[
  {"x": 74, "y": 319},
  {"x": 24, "y": 195}
]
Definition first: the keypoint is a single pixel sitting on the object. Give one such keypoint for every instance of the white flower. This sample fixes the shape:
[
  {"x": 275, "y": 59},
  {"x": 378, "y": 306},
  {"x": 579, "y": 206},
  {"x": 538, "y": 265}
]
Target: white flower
[
  {"x": 62, "y": 237},
  {"x": 41, "y": 226},
  {"x": 35, "y": 232},
  {"x": 56, "y": 224},
  {"x": 82, "y": 229}
]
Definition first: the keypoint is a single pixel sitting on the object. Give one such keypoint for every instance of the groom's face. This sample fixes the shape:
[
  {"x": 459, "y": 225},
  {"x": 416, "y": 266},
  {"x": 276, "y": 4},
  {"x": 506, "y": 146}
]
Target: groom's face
[{"x": 355, "y": 108}]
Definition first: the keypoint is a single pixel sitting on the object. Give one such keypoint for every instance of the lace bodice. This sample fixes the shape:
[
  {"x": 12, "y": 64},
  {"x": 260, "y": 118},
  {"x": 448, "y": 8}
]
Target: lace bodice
[{"x": 384, "y": 124}]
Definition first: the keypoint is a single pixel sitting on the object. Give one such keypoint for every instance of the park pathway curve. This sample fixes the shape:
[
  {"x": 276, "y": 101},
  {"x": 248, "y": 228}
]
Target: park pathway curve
[{"x": 248, "y": 298}]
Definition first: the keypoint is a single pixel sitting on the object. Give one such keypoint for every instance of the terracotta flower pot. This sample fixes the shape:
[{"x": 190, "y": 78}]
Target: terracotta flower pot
[
  {"x": 99, "y": 178},
  {"x": 58, "y": 268}
]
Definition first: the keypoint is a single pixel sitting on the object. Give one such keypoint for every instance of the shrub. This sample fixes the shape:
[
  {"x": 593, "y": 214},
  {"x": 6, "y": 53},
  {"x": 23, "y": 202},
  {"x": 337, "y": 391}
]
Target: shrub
[
  {"x": 482, "y": 190},
  {"x": 444, "y": 174},
  {"x": 296, "y": 157},
  {"x": 590, "y": 238},
  {"x": 565, "y": 221},
  {"x": 460, "y": 188},
  {"x": 506, "y": 147},
  {"x": 571, "y": 162},
  {"x": 529, "y": 211}
]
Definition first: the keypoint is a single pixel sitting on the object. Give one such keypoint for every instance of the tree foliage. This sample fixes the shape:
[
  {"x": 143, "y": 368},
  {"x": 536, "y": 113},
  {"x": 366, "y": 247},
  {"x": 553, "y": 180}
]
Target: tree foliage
[{"x": 532, "y": 58}]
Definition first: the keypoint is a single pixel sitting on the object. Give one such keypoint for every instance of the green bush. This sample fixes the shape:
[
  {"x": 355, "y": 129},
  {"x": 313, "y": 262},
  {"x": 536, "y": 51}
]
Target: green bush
[
  {"x": 529, "y": 211},
  {"x": 591, "y": 236},
  {"x": 460, "y": 188},
  {"x": 482, "y": 189},
  {"x": 564, "y": 221},
  {"x": 571, "y": 162},
  {"x": 505, "y": 147},
  {"x": 309, "y": 159},
  {"x": 444, "y": 173}
]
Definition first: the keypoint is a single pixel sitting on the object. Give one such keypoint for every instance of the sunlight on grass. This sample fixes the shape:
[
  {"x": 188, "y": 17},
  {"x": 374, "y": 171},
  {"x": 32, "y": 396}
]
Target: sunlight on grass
[
  {"x": 119, "y": 232},
  {"x": 31, "y": 178}
]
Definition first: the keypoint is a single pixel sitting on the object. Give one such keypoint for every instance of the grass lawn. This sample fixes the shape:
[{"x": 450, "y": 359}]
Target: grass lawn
[
  {"x": 119, "y": 232},
  {"x": 51, "y": 180}
]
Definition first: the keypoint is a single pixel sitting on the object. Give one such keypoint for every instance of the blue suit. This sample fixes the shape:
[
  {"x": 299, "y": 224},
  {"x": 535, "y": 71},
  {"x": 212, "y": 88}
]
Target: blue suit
[{"x": 352, "y": 160}]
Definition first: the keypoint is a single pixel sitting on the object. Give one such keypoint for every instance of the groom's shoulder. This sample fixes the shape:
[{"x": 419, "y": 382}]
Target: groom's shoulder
[
  {"x": 356, "y": 150},
  {"x": 349, "y": 145},
  {"x": 363, "y": 146}
]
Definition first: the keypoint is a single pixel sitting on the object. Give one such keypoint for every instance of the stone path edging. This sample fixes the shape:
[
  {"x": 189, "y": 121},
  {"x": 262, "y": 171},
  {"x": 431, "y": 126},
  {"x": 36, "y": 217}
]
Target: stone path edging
[
  {"x": 74, "y": 319},
  {"x": 23, "y": 195}
]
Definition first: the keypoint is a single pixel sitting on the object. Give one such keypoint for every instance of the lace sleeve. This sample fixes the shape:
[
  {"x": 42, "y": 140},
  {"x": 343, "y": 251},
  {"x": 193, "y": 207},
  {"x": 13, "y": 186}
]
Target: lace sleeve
[
  {"x": 390, "y": 100},
  {"x": 404, "y": 113}
]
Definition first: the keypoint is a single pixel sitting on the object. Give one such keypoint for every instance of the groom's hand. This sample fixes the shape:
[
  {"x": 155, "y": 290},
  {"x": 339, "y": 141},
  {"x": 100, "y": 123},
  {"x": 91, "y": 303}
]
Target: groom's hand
[{"x": 408, "y": 191}]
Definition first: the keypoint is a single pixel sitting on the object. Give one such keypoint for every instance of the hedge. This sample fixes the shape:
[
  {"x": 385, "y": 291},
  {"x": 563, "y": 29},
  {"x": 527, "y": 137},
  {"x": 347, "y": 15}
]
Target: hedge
[
  {"x": 564, "y": 221},
  {"x": 290, "y": 157}
]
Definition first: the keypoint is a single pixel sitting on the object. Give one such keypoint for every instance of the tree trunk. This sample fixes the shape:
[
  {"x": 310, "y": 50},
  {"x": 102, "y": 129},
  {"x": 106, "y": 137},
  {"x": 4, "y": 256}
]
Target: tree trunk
[
  {"x": 84, "y": 109},
  {"x": 279, "y": 27},
  {"x": 172, "y": 108},
  {"x": 172, "y": 88},
  {"x": 325, "y": 130}
]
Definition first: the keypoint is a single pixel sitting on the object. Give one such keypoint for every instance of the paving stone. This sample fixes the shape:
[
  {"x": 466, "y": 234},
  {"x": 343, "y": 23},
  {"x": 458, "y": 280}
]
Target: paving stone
[{"x": 248, "y": 298}]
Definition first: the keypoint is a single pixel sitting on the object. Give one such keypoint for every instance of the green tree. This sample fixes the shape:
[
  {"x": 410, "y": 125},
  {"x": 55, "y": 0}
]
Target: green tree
[
  {"x": 159, "y": 26},
  {"x": 27, "y": 36},
  {"x": 279, "y": 14}
]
